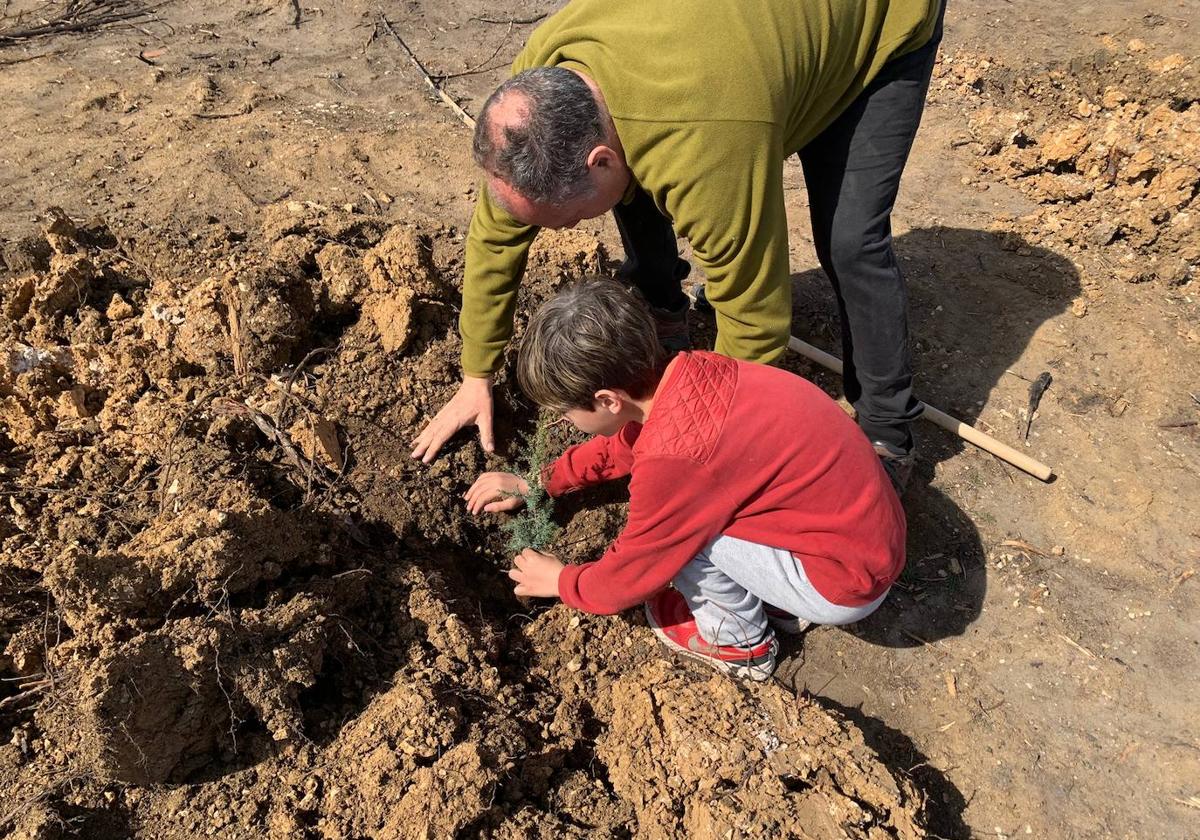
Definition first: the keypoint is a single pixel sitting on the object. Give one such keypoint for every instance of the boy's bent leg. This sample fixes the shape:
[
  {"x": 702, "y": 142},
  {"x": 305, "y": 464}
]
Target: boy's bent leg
[
  {"x": 671, "y": 619},
  {"x": 852, "y": 171},
  {"x": 725, "y": 612},
  {"x": 777, "y": 577}
]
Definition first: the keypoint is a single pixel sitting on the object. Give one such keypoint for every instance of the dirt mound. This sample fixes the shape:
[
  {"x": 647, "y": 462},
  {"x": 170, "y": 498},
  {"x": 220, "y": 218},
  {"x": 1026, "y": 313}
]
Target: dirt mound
[
  {"x": 237, "y": 607},
  {"x": 1106, "y": 144}
]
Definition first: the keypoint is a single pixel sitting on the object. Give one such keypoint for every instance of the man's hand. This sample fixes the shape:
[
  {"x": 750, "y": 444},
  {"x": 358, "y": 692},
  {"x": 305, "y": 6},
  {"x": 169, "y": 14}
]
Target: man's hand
[
  {"x": 493, "y": 492},
  {"x": 536, "y": 574},
  {"x": 472, "y": 403}
]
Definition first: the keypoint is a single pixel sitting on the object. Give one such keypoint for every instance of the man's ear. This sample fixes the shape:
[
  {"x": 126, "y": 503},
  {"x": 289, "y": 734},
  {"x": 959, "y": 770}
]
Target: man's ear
[
  {"x": 609, "y": 400},
  {"x": 601, "y": 157}
]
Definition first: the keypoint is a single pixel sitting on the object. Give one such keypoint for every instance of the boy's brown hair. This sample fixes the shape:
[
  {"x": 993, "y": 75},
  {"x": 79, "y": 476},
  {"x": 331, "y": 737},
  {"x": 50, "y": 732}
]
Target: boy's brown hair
[{"x": 595, "y": 334}]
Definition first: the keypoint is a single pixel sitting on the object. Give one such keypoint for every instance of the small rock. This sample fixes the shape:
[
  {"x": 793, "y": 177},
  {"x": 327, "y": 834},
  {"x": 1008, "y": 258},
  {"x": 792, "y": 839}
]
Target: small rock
[
  {"x": 72, "y": 404},
  {"x": 1113, "y": 98},
  {"x": 118, "y": 309},
  {"x": 318, "y": 440},
  {"x": 1062, "y": 145},
  {"x": 393, "y": 317},
  {"x": 1175, "y": 61}
]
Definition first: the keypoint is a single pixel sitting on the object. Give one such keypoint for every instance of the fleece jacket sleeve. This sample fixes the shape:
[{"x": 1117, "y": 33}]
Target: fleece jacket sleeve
[
  {"x": 497, "y": 248},
  {"x": 676, "y": 508}
]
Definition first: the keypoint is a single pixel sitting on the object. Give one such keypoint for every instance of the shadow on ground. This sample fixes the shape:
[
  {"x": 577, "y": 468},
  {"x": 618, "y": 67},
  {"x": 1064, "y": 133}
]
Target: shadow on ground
[
  {"x": 944, "y": 803},
  {"x": 944, "y": 583},
  {"x": 976, "y": 302}
]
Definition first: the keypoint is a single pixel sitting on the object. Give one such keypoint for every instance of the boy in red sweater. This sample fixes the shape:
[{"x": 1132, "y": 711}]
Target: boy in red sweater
[{"x": 755, "y": 502}]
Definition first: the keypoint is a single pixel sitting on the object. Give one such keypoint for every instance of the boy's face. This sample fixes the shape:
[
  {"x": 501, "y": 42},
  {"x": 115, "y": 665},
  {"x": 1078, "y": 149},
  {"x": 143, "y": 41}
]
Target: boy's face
[{"x": 597, "y": 420}]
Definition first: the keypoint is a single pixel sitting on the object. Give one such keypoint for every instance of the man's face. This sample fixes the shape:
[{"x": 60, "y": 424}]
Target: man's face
[{"x": 595, "y": 202}]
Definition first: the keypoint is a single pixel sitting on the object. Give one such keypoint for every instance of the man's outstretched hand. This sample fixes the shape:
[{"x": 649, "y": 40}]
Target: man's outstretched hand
[
  {"x": 472, "y": 403},
  {"x": 536, "y": 574}
]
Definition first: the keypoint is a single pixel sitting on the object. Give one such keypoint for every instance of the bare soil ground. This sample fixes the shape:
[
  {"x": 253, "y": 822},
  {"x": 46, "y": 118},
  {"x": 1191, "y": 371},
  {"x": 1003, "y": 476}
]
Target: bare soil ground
[{"x": 231, "y": 606}]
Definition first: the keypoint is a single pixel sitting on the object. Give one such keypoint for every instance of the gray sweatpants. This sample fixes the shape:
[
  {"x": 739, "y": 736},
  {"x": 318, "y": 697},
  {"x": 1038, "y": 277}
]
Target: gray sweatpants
[{"x": 726, "y": 584}]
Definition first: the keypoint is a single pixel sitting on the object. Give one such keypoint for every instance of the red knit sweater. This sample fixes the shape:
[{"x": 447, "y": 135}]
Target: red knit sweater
[{"x": 746, "y": 450}]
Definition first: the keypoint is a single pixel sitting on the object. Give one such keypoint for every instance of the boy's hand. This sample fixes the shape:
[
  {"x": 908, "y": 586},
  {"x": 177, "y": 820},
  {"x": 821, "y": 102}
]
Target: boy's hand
[
  {"x": 536, "y": 574},
  {"x": 496, "y": 491}
]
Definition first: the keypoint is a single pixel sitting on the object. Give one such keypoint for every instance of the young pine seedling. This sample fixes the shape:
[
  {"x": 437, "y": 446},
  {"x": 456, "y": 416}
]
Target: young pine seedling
[{"x": 534, "y": 526}]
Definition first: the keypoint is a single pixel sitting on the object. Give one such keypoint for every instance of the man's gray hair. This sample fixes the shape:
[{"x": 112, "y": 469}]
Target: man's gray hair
[{"x": 543, "y": 157}]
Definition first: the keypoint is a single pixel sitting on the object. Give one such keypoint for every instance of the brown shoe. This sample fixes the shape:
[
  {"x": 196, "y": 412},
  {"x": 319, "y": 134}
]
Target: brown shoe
[
  {"x": 672, "y": 327},
  {"x": 898, "y": 465}
]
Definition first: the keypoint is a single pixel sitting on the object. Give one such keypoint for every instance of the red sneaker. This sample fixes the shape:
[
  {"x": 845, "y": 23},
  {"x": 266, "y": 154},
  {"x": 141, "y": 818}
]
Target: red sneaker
[
  {"x": 673, "y": 623},
  {"x": 784, "y": 621}
]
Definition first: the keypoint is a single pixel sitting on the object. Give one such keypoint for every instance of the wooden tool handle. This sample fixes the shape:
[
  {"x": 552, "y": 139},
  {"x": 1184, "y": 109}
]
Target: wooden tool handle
[{"x": 968, "y": 433}]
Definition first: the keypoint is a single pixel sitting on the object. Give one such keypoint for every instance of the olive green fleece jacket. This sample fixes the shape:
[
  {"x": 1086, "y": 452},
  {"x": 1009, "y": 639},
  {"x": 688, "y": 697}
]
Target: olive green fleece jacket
[{"x": 708, "y": 97}]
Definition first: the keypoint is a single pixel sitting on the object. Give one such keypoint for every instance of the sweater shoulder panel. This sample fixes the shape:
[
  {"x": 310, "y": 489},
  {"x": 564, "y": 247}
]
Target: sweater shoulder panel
[{"x": 689, "y": 415}]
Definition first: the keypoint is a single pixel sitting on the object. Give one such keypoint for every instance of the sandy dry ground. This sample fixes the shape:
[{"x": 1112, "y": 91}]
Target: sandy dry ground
[{"x": 1034, "y": 674}]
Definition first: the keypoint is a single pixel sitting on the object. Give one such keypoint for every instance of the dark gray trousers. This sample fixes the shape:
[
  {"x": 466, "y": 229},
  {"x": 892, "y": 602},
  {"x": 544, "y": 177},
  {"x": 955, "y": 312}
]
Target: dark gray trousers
[{"x": 852, "y": 172}]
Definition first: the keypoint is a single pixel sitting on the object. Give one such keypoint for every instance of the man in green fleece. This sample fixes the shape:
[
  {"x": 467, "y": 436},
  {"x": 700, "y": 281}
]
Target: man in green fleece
[{"x": 677, "y": 116}]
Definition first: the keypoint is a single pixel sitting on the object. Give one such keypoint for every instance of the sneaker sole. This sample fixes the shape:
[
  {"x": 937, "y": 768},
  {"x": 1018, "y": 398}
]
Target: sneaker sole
[{"x": 757, "y": 673}]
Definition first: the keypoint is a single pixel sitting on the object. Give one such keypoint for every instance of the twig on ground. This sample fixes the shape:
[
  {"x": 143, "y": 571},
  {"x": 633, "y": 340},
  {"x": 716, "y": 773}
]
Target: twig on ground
[
  {"x": 296, "y": 371},
  {"x": 49, "y": 789},
  {"x": 311, "y": 469},
  {"x": 512, "y": 21},
  {"x": 224, "y": 405},
  {"x": 22, "y": 60},
  {"x": 825, "y": 685},
  {"x": 466, "y": 118},
  {"x": 46, "y": 658},
  {"x": 371, "y": 38},
  {"x": 122, "y": 252},
  {"x": 233, "y": 315},
  {"x": 1024, "y": 546},
  {"x": 481, "y": 67},
  {"x": 296, "y": 13},
  {"x": 200, "y": 116},
  {"x": 931, "y": 644},
  {"x": 1076, "y": 645},
  {"x": 30, "y": 692},
  {"x": 81, "y": 16},
  {"x": 234, "y": 720}
]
